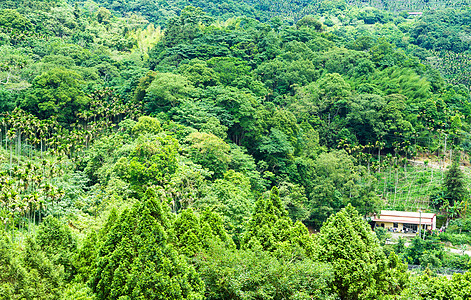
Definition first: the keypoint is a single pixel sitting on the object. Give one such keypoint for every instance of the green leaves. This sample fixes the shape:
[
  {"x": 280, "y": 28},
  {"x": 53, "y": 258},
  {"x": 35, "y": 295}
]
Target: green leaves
[
  {"x": 147, "y": 125},
  {"x": 454, "y": 185},
  {"x": 56, "y": 93},
  {"x": 151, "y": 161},
  {"x": 252, "y": 274},
  {"x": 427, "y": 286},
  {"x": 12, "y": 19},
  {"x": 194, "y": 233},
  {"x": 58, "y": 243},
  {"x": 137, "y": 261},
  {"x": 332, "y": 181},
  {"x": 166, "y": 90},
  {"x": 28, "y": 274},
  {"x": 272, "y": 230},
  {"x": 236, "y": 107},
  {"x": 209, "y": 151},
  {"x": 347, "y": 242}
]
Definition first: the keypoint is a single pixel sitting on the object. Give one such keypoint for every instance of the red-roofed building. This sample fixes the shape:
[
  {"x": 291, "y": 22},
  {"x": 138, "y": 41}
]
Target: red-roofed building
[{"x": 404, "y": 221}]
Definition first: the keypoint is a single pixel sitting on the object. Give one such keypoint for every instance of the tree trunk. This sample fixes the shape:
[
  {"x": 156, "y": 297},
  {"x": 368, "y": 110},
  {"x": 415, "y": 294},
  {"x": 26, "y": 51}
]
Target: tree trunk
[
  {"x": 379, "y": 159},
  {"x": 19, "y": 148}
]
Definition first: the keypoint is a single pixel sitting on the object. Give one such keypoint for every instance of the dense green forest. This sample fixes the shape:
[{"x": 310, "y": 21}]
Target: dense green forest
[{"x": 232, "y": 149}]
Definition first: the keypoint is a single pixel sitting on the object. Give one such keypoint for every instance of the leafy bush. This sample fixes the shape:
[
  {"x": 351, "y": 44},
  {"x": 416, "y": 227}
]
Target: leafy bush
[
  {"x": 456, "y": 261},
  {"x": 58, "y": 243},
  {"x": 239, "y": 274},
  {"x": 455, "y": 238},
  {"x": 425, "y": 252}
]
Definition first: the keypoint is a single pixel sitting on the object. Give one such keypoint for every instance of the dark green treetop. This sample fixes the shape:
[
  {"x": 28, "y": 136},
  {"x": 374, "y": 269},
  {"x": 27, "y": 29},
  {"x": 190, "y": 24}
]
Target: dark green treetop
[{"x": 137, "y": 262}]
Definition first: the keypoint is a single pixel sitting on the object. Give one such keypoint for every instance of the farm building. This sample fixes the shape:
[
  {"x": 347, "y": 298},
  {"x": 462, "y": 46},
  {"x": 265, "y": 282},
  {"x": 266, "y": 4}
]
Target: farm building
[{"x": 403, "y": 221}]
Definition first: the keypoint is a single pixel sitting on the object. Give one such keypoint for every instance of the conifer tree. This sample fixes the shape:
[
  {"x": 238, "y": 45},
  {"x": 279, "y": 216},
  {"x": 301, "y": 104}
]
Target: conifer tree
[
  {"x": 13, "y": 276},
  {"x": 271, "y": 229},
  {"x": 58, "y": 243},
  {"x": 351, "y": 247},
  {"x": 455, "y": 185},
  {"x": 137, "y": 262},
  {"x": 28, "y": 274},
  {"x": 455, "y": 193},
  {"x": 85, "y": 260},
  {"x": 193, "y": 233}
]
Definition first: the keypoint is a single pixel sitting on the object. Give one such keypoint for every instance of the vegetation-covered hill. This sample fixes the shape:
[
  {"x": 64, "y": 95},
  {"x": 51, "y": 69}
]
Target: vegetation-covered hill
[
  {"x": 149, "y": 149},
  {"x": 160, "y": 11}
]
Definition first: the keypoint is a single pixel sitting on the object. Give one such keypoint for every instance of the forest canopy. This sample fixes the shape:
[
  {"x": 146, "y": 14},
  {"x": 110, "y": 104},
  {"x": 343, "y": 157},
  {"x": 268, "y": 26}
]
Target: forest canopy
[{"x": 232, "y": 149}]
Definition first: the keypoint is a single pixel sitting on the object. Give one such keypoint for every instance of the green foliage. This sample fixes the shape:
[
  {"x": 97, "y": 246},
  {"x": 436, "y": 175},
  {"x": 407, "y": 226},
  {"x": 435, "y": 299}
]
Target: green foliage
[
  {"x": 461, "y": 225},
  {"x": 232, "y": 199},
  {"x": 78, "y": 291},
  {"x": 382, "y": 234},
  {"x": 229, "y": 69},
  {"x": 85, "y": 259},
  {"x": 58, "y": 243},
  {"x": 136, "y": 259},
  {"x": 210, "y": 152},
  {"x": 46, "y": 279},
  {"x": 272, "y": 230},
  {"x": 309, "y": 21},
  {"x": 359, "y": 264},
  {"x": 194, "y": 233},
  {"x": 456, "y": 261},
  {"x": 436, "y": 31},
  {"x": 455, "y": 238},
  {"x": 150, "y": 162},
  {"x": 185, "y": 27},
  {"x": 334, "y": 182},
  {"x": 56, "y": 93},
  {"x": 331, "y": 102},
  {"x": 295, "y": 200},
  {"x": 426, "y": 286},
  {"x": 147, "y": 125},
  {"x": 166, "y": 90},
  {"x": 454, "y": 185},
  {"x": 198, "y": 72},
  {"x": 242, "y": 274},
  {"x": 14, "y": 278},
  {"x": 10, "y": 18},
  {"x": 428, "y": 252},
  {"x": 276, "y": 147}
]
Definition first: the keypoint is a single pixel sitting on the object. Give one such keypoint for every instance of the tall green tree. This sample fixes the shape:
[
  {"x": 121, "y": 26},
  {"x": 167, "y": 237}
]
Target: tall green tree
[
  {"x": 231, "y": 197},
  {"x": 359, "y": 263},
  {"x": 58, "y": 243},
  {"x": 136, "y": 260},
  {"x": 152, "y": 161},
  {"x": 455, "y": 185},
  {"x": 166, "y": 91},
  {"x": 209, "y": 151},
  {"x": 271, "y": 229},
  {"x": 252, "y": 274},
  {"x": 332, "y": 181},
  {"x": 58, "y": 93},
  {"x": 194, "y": 233}
]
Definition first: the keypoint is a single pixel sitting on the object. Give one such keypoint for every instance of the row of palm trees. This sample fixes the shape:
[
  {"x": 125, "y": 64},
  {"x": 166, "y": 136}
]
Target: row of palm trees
[
  {"x": 35, "y": 153},
  {"x": 27, "y": 190},
  {"x": 21, "y": 131}
]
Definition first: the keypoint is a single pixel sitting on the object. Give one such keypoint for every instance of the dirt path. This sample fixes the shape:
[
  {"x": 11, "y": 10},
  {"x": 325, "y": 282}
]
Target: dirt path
[
  {"x": 409, "y": 236},
  {"x": 438, "y": 165},
  {"x": 458, "y": 251},
  {"x": 434, "y": 164}
]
